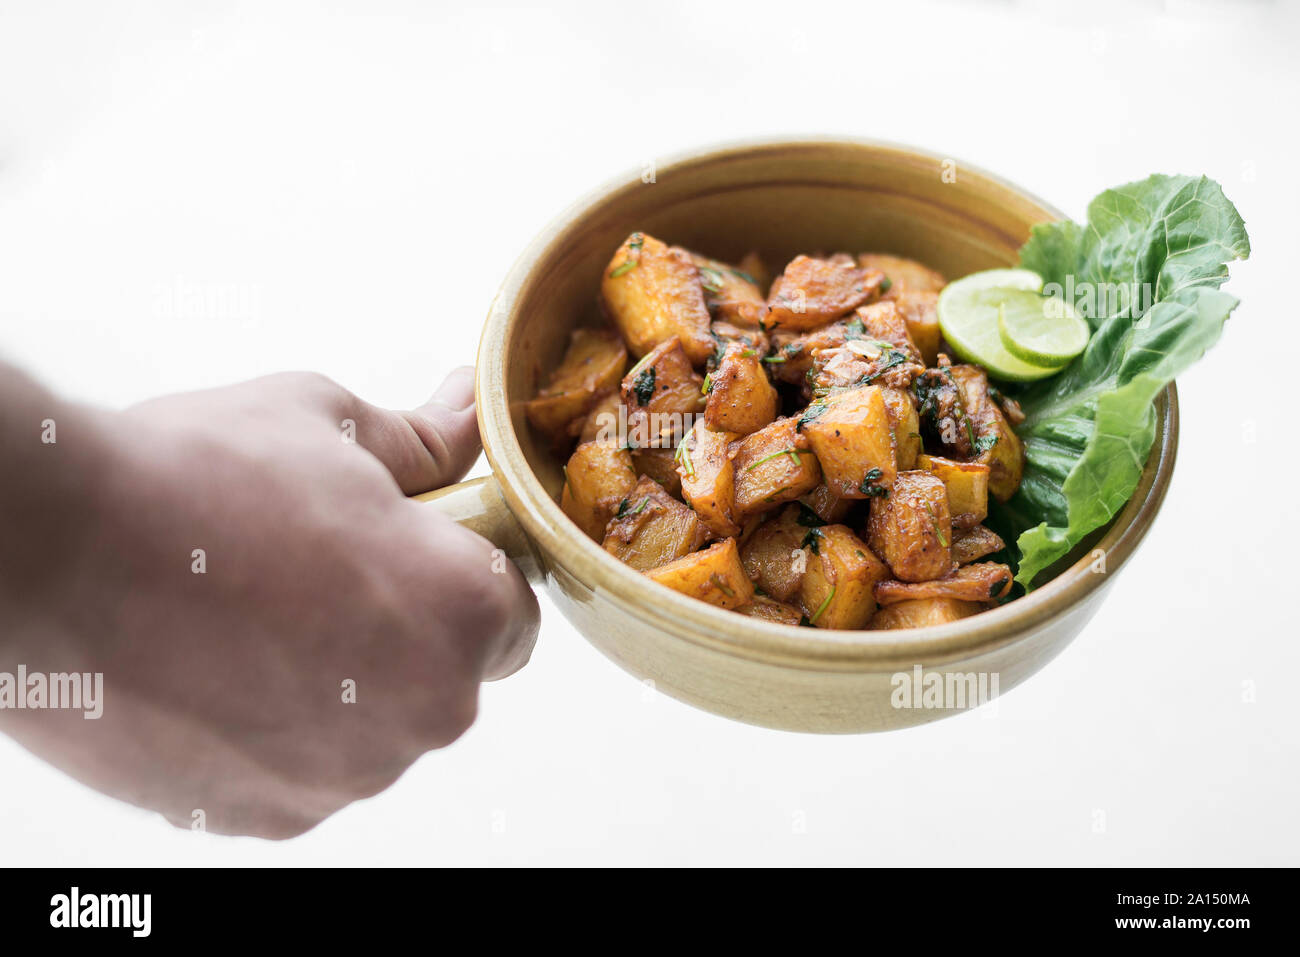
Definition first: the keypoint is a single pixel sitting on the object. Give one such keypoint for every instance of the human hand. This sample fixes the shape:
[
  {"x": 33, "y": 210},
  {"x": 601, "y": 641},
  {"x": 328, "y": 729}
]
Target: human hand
[{"x": 226, "y": 670}]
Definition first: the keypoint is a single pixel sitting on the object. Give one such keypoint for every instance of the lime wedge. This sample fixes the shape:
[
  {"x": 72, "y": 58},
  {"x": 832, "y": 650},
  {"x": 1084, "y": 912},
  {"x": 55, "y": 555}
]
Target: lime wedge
[
  {"x": 969, "y": 311},
  {"x": 1041, "y": 331}
]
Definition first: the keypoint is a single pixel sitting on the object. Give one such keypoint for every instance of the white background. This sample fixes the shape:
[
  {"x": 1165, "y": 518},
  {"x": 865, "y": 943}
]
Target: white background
[{"x": 356, "y": 178}]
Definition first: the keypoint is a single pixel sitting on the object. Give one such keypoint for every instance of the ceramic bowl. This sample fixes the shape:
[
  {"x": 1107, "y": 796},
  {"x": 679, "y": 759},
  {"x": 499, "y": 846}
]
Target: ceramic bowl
[{"x": 780, "y": 198}]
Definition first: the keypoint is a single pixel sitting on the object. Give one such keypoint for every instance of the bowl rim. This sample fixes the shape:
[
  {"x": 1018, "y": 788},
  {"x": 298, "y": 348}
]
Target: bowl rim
[{"x": 561, "y": 545}]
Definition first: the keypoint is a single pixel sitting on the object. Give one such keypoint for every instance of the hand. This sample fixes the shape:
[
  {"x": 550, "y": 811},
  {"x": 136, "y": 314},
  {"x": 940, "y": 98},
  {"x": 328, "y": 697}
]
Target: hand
[{"x": 236, "y": 568}]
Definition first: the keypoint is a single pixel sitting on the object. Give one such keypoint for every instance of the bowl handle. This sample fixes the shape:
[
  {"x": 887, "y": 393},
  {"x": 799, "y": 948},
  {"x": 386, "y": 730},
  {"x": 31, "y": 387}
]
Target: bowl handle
[{"x": 479, "y": 506}]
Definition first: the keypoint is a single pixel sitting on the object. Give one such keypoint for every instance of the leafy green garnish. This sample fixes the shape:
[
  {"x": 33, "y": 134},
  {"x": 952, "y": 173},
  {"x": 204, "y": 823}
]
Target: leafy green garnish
[
  {"x": 869, "y": 488},
  {"x": 1089, "y": 429},
  {"x": 643, "y": 386},
  {"x": 886, "y": 284},
  {"x": 813, "y": 540},
  {"x": 807, "y": 517}
]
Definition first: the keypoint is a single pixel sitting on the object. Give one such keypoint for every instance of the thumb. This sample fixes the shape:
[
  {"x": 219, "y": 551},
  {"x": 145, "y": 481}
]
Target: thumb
[{"x": 428, "y": 447}]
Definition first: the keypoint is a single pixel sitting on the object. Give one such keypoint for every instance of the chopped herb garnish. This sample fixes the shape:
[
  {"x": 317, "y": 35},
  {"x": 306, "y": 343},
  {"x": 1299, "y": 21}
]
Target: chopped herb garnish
[
  {"x": 822, "y": 607},
  {"x": 794, "y": 455},
  {"x": 896, "y": 357},
  {"x": 854, "y": 329},
  {"x": 707, "y": 387},
  {"x": 683, "y": 456},
  {"x": 808, "y": 517},
  {"x": 643, "y": 386},
  {"x": 721, "y": 585},
  {"x": 869, "y": 488},
  {"x": 810, "y": 413},
  {"x": 886, "y": 284},
  {"x": 710, "y": 279},
  {"x": 986, "y": 442},
  {"x": 748, "y": 354},
  {"x": 634, "y": 244},
  {"x": 813, "y": 540},
  {"x": 640, "y": 508},
  {"x": 774, "y": 359},
  {"x": 943, "y": 540},
  {"x": 622, "y": 509},
  {"x": 744, "y": 275}
]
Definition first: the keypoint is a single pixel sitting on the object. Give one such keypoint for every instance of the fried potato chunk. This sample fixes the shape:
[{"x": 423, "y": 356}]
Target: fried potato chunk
[
  {"x": 769, "y": 610},
  {"x": 597, "y": 477},
  {"x": 811, "y": 292},
  {"x": 773, "y": 465},
  {"x": 660, "y": 465},
  {"x": 910, "y": 529},
  {"x": 774, "y": 554},
  {"x": 902, "y": 274},
  {"x": 592, "y": 365},
  {"x": 714, "y": 575},
  {"x": 651, "y": 528},
  {"x": 975, "y": 543},
  {"x": 996, "y": 443},
  {"x": 838, "y": 588},
  {"x": 968, "y": 488},
  {"x": 740, "y": 399},
  {"x": 904, "y": 427},
  {"x": 982, "y": 581},
  {"x": 601, "y": 423},
  {"x": 660, "y": 391},
  {"x": 792, "y": 352},
  {"x": 726, "y": 333},
  {"x": 828, "y": 506},
  {"x": 851, "y": 437},
  {"x": 708, "y": 477},
  {"x": 752, "y": 265},
  {"x": 920, "y": 612},
  {"x": 653, "y": 293},
  {"x": 730, "y": 293},
  {"x": 920, "y": 311}
]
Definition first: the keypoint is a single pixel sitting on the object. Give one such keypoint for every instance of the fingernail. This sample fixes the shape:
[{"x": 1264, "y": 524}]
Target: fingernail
[{"x": 457, "y": 391}]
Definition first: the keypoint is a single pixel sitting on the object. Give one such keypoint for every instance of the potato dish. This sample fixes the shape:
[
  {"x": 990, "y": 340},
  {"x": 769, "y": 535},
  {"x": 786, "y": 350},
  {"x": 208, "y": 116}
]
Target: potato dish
[{"x": 799, "y": 448}]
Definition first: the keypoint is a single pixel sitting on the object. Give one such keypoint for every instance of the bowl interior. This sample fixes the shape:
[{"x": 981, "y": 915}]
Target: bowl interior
[{"x": 779, "y": 199}]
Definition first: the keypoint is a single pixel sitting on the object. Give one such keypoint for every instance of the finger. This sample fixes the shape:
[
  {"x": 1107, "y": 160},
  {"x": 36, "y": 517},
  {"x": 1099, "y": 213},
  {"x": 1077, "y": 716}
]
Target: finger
[
  {"x": 496, "y": 612},
  {"x": 428, "y": 447}
]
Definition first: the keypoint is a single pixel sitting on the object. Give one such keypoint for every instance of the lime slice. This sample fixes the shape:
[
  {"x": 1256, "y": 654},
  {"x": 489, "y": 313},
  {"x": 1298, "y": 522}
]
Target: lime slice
[
  {"x": 969, "y": 312},
  {"x": 1041, "y": 331},
  {"x": 1002, "y": 279}
]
